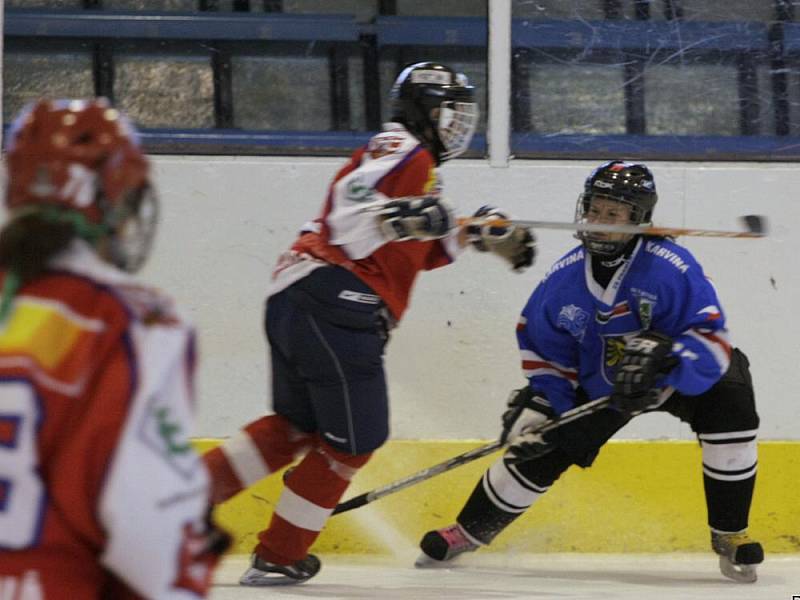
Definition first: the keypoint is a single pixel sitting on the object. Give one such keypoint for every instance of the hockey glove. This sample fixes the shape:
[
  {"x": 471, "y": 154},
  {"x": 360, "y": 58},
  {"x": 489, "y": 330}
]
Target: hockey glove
[
  {"x": 516, "y": 245},
  {"x": 647, "y": 357},
  {"x": 424, "y": 218},
  {"x": 527, "y": 411},
  {"x": 201, "y": 551}
]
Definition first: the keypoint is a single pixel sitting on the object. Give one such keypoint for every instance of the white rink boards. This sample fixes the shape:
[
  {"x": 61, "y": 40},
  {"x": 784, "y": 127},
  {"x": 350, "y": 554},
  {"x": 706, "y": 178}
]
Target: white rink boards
[{"x": 543, "y": 576}]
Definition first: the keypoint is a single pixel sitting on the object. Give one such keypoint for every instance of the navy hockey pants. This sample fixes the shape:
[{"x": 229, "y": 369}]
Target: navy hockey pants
[{"x": 327, "y": 360}]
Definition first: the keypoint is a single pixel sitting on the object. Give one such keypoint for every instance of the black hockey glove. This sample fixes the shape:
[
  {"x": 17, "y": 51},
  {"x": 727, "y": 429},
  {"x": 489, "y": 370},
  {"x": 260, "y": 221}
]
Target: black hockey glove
[
  {"x": 517, "y": 245},
  {"x": 647, "y": 357},
  {"x": 425, "y": 218},
  {"x": 527, "y": 411}
]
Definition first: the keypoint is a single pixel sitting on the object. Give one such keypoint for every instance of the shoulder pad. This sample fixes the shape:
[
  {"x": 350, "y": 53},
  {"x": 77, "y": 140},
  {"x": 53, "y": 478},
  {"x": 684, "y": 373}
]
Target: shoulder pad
[{"x": 392, "y": 142}]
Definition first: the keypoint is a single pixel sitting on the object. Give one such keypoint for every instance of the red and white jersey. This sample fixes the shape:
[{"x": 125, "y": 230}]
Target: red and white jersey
[
  {"x": 101, "y": 495},
  {"x": 394, "y": 164}
]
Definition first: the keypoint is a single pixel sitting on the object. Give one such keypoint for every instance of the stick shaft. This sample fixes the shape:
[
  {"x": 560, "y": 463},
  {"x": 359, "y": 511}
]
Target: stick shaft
[
  {"x": 462, "y": 459},
  {"x": 754, "y": 227}
]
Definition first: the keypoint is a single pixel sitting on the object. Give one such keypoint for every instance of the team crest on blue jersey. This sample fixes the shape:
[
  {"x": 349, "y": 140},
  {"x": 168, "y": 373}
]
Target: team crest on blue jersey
[
  {"x": 646, "y": 301},
  {"x": 645, "y": 313},
  {"x": 613, "y": 349},
  {"x": 574, "y": 319}
]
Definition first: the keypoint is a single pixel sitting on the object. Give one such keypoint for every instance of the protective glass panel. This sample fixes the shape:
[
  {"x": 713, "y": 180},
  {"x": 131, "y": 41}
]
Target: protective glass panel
[
  {"x": 363, "y": 10},
  {"x": 43, "y": 3},
  {"x": 257, "y": 65},
  {"x": 677, "y": 100},
  {"x": 705, "y": 10},
  {"x": 442, "y": 8},
  {"x": 659, "y": 72},
  {"x": 28, "y": 76},
  {"x": 557, "y": 9},
  {"x": 165, "y": 91},
  {"x": 283, "y": 93},
  {"x": 150, "y": 5},
  {"x": 594, "y": 94}
]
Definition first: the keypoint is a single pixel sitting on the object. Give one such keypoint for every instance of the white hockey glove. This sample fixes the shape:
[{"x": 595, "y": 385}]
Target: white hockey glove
[
  {"x": 516, "y": 245},
  {"x": 426, "y": 218},
  {"x": 527, "y": 411}
]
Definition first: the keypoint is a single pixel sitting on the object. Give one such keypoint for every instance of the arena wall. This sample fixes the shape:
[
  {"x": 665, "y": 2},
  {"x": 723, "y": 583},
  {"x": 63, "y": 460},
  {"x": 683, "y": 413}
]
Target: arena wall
[{"x": 454, "y": 359}]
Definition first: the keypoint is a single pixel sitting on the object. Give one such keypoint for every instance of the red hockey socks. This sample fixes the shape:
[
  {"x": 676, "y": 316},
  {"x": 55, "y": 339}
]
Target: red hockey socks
[
  {"x": 261, "y": 448},
  {"x": 312, "y": 491}
]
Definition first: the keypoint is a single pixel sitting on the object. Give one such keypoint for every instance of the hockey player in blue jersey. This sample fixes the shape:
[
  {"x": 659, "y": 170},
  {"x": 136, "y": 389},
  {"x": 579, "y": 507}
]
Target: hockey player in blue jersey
[{"x": 636, "y": 319}]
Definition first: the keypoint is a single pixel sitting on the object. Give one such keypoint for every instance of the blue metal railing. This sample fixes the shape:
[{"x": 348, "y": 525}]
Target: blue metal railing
[{"x": 179, "y": 26}]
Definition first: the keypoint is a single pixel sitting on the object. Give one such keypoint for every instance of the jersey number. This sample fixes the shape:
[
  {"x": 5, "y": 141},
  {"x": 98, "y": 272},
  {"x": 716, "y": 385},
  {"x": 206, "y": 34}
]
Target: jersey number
[{"x": 22, "y": 494}]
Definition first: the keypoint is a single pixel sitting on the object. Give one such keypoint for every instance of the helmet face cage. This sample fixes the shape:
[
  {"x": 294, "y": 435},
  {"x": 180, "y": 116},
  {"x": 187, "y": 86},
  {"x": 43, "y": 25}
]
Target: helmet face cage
[
  {"x": 82, "y": 158},
  {"x": 598, "y": 245},
  {"x": 457, "y": 123},
  {"x": 631, "y": 184},
  {"x": 438, "y": 105},
  {"x": 133, "y": 230}
]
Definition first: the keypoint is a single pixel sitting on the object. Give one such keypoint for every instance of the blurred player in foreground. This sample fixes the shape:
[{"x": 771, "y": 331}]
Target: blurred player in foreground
[
  {"x": 635, "y": 319},
  {"x": 101, "y": 495},
  {"x": 334, "y": 297}
]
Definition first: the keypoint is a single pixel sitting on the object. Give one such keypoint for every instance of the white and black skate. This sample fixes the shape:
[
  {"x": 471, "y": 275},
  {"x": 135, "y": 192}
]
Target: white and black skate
[
  {"x": 262, "y": 572},
  {"x": 441, "y": 546},
  {"x": 738, "y": 555}
]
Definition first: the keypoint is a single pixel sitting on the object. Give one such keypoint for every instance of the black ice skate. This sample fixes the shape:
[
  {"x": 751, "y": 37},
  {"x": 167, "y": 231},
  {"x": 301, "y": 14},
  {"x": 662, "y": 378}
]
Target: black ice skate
[
  {"x": 738, "y": 555},
  {"x": 443, "y": 545},
  {"x": 261, "y": 572}
]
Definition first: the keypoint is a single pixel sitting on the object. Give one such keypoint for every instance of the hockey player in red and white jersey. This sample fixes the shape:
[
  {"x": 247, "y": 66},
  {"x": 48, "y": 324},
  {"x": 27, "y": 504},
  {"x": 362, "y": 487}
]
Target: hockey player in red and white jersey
[
  {"x": 334, "y": 297},
  {"x": 101, "y": 495}
]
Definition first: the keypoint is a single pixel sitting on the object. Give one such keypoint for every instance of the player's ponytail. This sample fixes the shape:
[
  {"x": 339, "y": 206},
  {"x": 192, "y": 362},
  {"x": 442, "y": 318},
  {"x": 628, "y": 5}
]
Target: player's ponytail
[{"x": 27, "y": 243}]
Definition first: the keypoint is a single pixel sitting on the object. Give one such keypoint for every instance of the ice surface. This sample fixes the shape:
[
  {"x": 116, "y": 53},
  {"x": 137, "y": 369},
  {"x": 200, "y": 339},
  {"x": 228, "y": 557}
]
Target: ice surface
[{"x": 508, "y": 577}]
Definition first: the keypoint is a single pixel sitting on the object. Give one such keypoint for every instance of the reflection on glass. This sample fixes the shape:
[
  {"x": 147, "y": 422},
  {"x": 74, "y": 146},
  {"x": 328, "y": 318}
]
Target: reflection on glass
[
  {"x": 28, "y": 76},
  {"x": 44, "y": 3},
  {"x": 709, "y": 10},
  {"x": 281, "y": 93},
  {"x": 159, "y": 91},
  {"x": 577, "y": 99},
  {"x": 150, "y": 5},
  {"x": 442, "y": 8},
  {"x": 655, "y": 68},
  {"x": 678, "y": 102},
  {"x": 558, "y": 9}
]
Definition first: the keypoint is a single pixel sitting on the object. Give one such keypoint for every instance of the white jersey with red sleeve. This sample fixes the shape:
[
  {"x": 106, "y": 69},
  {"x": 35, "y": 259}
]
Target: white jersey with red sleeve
[
  {"x": 101, "y": 495},
  {"x": 394, "y": 164}
]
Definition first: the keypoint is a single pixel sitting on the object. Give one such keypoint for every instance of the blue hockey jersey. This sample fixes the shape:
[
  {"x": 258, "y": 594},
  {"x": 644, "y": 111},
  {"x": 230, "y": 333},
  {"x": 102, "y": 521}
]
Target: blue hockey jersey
[{"x": 572, "y": 332}]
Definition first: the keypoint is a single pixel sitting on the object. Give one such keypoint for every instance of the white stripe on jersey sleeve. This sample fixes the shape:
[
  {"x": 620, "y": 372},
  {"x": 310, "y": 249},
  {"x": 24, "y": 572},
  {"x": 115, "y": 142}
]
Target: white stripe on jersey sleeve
[{"x": 716, "y": 349}]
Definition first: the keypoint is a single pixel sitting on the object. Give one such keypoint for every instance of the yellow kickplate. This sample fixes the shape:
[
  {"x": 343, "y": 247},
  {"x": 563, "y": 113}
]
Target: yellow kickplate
[{"x": 639, "y": 496}]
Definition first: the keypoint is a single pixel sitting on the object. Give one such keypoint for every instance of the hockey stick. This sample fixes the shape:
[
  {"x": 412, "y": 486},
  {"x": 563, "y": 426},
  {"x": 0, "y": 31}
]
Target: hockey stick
[
  {"x": 462, "y": 459},
  {"x": 753, "y": 226}
]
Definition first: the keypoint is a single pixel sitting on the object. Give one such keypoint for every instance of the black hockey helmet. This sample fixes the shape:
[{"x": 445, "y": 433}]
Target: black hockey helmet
[
  {"x": 630, "y": 183},
  {"x": 425, "y": 87}
]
